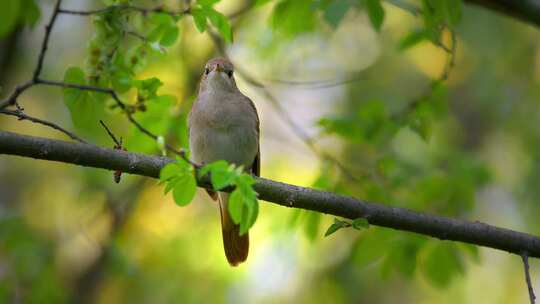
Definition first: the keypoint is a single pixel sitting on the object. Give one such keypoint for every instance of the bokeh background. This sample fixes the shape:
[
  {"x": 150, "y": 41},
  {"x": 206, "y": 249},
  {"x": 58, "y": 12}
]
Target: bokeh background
[{"x": 70, "y": 234}]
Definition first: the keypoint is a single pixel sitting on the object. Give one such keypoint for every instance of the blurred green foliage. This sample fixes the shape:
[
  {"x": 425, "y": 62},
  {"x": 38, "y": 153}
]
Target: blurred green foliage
[{"x": 17, "y": 13}]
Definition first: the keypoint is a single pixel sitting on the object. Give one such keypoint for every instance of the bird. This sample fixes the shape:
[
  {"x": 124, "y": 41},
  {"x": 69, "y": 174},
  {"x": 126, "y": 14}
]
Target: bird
[{"x": 224, "y": 125}]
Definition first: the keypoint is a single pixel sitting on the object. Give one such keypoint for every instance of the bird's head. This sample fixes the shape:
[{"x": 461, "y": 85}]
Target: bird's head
[{"x": 218, "y": 75}]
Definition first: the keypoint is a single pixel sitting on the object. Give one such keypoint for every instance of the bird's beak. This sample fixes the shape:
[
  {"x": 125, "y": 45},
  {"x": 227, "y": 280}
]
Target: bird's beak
[{"x": 219, "y": 68}]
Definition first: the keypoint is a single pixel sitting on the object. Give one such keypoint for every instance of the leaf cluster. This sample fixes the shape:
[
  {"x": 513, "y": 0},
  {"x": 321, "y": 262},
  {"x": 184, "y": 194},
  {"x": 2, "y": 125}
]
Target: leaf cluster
[{"x": 243, "y": 206}]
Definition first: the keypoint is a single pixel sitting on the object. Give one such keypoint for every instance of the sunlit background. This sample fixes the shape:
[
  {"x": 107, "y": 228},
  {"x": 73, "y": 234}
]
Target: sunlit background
[{"x": 71, "y": 234}]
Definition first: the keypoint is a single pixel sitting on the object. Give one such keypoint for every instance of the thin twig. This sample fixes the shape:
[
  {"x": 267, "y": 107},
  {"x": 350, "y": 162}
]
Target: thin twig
[
  {"x": 12, "y": 98},
  {"x": 117, "y": 175},
  {"x": 317, "y": 84},
  {"x": 142, "y": 10},
  {"x": 525, "y": 258},
  {"x": 451, "y": 58},
  {"x": 45, "y": 43},
  {"x": 116, "y": 141},
  {"x": 81, "y": 87},
  {"x": 22, "y": 116}
]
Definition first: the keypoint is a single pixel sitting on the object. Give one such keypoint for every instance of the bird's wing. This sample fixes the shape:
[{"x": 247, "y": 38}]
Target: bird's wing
[
  {"x": 213, "y": 194},
  {"x": 256, "y": 166}
]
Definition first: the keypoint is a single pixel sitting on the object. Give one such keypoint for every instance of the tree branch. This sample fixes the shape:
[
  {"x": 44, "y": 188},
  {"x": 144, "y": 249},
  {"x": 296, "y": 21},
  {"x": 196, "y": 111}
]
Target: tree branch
[{"x": 283, "y": 194}]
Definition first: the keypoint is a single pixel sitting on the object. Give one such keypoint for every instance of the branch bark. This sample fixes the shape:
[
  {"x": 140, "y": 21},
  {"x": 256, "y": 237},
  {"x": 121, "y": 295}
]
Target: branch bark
[{"x": 283, "y": 194}]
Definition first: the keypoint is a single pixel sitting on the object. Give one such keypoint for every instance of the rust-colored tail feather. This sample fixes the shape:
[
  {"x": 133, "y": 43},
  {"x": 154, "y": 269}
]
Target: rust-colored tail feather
[{"x": 236, "y": 246}]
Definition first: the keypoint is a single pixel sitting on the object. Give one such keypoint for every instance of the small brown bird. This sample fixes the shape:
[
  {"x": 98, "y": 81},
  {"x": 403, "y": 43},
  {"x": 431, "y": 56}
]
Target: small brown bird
[{"x": 224, "y": 125}]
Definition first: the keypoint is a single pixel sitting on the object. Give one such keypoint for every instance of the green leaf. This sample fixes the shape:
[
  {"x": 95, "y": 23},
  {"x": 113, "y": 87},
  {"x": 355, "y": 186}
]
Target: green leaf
[
  {"x": 30, "y": 14},
  {"x": 168, "y": 172},
  {"x": 438, "y": 99},
  {"x": 375, "y": 12},
  {"x": 179, "y": 177},
  {"x": 342, "y": 126},
  {"x": 236, "y": 204},
  {"x": 372, "y": 245},
  {"x": 199, "y": 18},
  {"x": 244, "y": 181},
  {"x": 162, "y": 19},
  {"x": 221, "y": 174},
  {"x": 472, "y": 250},
  {"x": 336, "y": 10},
  {"x": 292, "y": 17},
  {"x": 323, "y": 181},
  {"x": 250, "y": 212},
  {"x": 169, "y": 36},
  {"x": 312, "y": 225},
  {"x": 295, "y": 215},
  {"x": 412, "y": 39},
  {"x": 85, "y": 108},
  {"x": 420, "y": 122},
  {"x": 147, "y": 88},
  {"x": 170, "y": 185},
  {"x": 433, "y": 15},
  {"x": 333, "y": 228},
  {"x": 453, "y": 11},
  {"x": 220, "y": 22},
  {"x": 207, "y": 2},
  {"x": 9, "y": 15},
  {"x": 402, "y": 256},
  {"x": 184, "y": 189},
  {"x": 441, "y": 263},
  {"x": 261, "y": 2},
  {"x": 115, "y": 2},
  {"x": 162, "y": 28},
  {"x": 136, "y": 58},
  {"x": 121, "y": 81},
  {"x": 253, "y": 213},
  {"x": 360, "y": 223},
  {"x": 243, "y": 205},
  {"x": 74, "y": 75},
  {"x": 338, "y": 224}
]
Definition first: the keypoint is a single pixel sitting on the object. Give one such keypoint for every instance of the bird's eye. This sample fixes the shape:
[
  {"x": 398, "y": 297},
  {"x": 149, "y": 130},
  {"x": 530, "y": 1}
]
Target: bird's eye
[
  {"x": 230, "y": 73},
  {"x": 206, "y": 71}
]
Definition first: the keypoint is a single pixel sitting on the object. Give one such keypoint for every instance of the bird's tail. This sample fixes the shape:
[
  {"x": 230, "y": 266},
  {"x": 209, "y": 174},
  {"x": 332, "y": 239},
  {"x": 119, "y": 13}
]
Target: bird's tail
[{"x": 236, "y": 245}]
